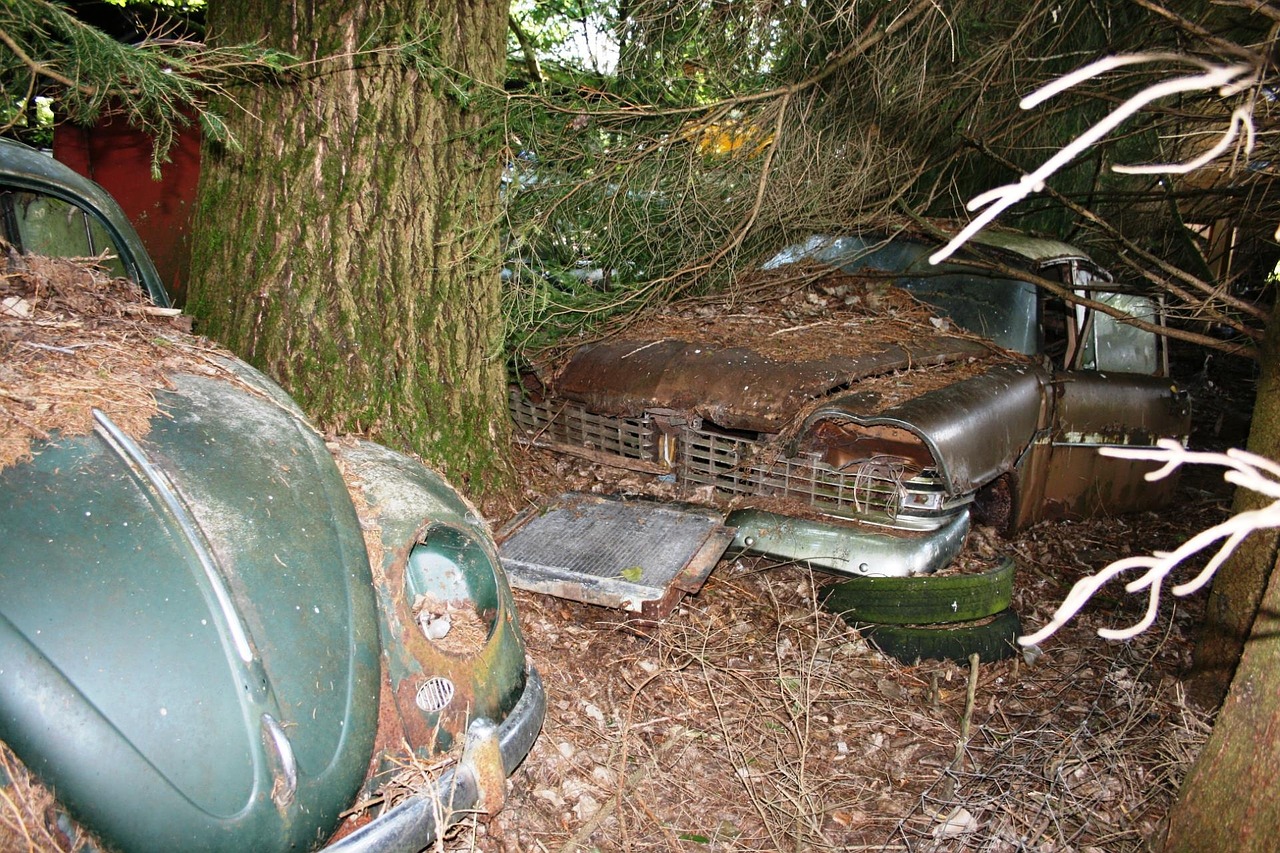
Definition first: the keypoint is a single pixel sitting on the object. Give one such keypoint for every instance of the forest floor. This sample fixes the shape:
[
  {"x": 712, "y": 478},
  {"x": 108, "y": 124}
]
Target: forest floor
[{"x": 751, "y": 719}]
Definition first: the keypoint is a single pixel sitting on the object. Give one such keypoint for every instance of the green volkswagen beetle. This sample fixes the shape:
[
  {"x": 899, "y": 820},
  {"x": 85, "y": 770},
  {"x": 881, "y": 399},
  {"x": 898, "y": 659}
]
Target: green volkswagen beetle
[{"x": 205, "y": 642}]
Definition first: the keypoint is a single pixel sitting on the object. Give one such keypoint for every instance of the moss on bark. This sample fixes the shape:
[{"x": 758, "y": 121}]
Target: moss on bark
[
  {"x": 348, "y": 246},
  {"x": 1239, "y": 585},
  {"x": 1230, "y": 800}
]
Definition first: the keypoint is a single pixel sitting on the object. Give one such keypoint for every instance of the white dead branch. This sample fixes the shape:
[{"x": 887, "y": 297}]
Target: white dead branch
[
  {"x": 1243, "y": 469},
  {"x": 1228, "y": 80}
]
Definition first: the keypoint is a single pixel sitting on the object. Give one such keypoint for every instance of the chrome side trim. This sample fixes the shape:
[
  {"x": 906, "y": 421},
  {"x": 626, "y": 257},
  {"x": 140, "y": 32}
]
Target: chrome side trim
[
  {"x": 133, "y": 456},
  {"x": 286, "y": 766}
]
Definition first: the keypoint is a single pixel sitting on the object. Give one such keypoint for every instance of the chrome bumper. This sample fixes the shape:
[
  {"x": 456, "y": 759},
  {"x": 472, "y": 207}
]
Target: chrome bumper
[
  {"x": 848, "y": 548},
  {"x": 476, "y": 783}
]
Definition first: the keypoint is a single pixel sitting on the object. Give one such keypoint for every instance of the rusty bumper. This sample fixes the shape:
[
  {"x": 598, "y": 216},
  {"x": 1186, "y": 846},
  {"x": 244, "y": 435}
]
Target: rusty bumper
[{"x": 477, "y": 783}]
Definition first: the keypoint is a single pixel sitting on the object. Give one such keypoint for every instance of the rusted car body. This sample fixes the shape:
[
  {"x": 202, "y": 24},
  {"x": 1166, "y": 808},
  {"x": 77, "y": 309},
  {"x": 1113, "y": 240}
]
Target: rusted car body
[{"x": 873, "y": 459}]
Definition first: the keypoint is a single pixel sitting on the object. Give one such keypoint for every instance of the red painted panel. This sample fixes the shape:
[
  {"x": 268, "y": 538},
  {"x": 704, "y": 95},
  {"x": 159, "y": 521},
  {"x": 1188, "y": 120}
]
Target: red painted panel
[{"x": 119, "y": 157}]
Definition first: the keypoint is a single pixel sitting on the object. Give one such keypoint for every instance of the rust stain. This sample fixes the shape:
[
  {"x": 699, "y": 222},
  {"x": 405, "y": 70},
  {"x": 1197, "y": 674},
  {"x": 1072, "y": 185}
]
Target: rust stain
[
  {"x": 843, "y": 445},
  {"x": 734, "y": 387}
]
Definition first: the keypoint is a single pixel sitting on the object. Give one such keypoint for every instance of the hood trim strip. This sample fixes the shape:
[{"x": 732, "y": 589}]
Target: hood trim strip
[{"x": 128, "y": 451}]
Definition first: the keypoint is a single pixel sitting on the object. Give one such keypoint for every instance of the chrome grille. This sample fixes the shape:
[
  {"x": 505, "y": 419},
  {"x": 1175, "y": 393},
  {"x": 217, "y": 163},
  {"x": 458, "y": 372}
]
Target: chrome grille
[
  {"x": 569, "y": 423},
  {"x": 739, "y": 466},
  {"x": 732, "y": 465}
]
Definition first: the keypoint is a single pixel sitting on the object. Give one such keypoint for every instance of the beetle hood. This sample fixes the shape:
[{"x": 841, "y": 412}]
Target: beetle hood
[{"x": 188, "y": 636}]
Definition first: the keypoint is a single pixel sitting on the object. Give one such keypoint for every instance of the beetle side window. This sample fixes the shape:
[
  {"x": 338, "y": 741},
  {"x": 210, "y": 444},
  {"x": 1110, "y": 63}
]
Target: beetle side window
[{"x": 45, "y": 225}]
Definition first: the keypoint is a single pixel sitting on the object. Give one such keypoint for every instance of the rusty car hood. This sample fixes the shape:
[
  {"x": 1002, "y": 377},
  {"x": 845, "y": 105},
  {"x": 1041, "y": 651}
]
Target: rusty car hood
[{"x": 734, "y": 387}]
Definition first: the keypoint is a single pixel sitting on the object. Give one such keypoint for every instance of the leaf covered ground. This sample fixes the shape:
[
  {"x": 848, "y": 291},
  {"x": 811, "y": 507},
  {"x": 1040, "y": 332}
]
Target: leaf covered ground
[{"x": 751, "y": 719}]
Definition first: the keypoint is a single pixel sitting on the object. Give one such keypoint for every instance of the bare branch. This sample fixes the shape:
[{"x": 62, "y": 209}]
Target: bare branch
[
  {"x": 1227, "y": 79},
  {"x": 40, "y": 69},
  {"x": 1202, "y": 296},
  {"x": 1244, "y": 469}
]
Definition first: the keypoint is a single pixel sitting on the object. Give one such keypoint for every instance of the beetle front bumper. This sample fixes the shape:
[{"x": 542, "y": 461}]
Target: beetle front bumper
[{"x": 476, "y": 783}]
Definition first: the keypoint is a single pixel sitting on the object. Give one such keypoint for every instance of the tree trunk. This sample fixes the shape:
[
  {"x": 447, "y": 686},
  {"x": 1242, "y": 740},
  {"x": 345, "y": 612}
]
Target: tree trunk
[
  {"x": 1239, "y": 584},
  {"x": 1231, "y": 798},
  {"x": 348, "y": 245}
]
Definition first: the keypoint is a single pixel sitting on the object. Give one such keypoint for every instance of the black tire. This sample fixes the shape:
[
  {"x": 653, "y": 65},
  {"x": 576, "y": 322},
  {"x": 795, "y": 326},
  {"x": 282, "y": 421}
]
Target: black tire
[
  {"x": 991, "y": 639},
  {"x": 923, "y": 599}
]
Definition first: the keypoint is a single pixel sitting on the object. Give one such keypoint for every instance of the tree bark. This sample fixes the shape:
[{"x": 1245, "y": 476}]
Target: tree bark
[
  {"x": 1239, "y": 584},
  {"x": 348, "y": 246},
  {"x": 1231, "y": 798}
]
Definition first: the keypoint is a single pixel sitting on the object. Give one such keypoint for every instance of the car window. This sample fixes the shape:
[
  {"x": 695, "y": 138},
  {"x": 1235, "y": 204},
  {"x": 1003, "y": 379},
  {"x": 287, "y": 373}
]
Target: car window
[
  {"x": 1110, "y": 344},
  {"x": 44, "y": 225},
  {"x": 1003, "y": 310},
  {"x": 1000, "y": 309}
]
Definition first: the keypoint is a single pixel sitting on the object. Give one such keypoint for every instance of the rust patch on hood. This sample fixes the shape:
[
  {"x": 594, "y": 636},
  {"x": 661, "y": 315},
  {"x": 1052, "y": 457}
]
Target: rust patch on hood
[
  {"x": 756, "y": 357},
  {"x": 734, "y": 387}
]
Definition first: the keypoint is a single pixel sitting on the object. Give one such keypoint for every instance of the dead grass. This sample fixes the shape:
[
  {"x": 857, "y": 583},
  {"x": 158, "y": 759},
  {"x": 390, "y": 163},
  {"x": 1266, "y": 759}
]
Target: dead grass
[
  {"x": 73, "y": 339},
  {"x": 751, "y": 720},
  {"x": 28, "y": 819}
]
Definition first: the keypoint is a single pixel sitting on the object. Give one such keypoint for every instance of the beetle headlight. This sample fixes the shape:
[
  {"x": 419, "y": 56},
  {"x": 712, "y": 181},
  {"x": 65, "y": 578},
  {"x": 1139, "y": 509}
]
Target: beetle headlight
[{"x": 451, "y": 584}]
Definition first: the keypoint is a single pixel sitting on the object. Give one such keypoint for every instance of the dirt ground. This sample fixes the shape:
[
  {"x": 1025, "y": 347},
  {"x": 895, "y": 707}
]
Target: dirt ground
[{"x": 751, "y": 719}]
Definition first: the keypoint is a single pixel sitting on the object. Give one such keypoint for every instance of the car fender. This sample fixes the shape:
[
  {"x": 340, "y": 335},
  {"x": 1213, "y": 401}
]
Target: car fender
[
  {"x": 975, "y": 429},
  {"x": 433, "y": 542},
  {"x": 178, "y": 669}
]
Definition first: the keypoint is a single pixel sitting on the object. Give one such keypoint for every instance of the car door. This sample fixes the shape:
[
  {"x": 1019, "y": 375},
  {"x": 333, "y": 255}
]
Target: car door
[{"x": 1113, "y": 391}]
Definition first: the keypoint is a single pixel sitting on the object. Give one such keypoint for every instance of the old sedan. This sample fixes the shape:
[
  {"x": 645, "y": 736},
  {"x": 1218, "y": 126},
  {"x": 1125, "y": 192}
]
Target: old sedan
[
  {"x": 218, "y": 630},
  {"x": 856, "y": 407}
]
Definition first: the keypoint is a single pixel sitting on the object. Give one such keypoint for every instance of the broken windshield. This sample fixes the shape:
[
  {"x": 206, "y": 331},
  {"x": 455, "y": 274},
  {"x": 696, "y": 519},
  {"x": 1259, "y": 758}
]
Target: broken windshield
[{"x": 1003, "y": 310}]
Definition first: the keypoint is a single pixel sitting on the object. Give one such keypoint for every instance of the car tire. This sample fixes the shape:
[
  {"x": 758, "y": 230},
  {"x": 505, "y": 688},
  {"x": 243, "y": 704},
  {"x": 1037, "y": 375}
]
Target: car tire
[
  {"x": 991, "y": 639},
  {"x": 923, "y": 599}
]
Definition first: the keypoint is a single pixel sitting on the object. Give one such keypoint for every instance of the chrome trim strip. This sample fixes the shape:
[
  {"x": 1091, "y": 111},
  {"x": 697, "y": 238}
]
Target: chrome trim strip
[
  {"x": 135, "y": 458},
  {"x": 288, "y": 763}
]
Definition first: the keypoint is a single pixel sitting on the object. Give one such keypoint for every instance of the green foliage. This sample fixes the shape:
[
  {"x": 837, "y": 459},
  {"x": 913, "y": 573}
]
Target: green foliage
[
  {"x": 569, "y": 37},
  {"x": 731, "y": 128},
  {"x": 158, "y": 84},
  {"x": 30, "y": 118},
  {"x": 180, "y": 5}
]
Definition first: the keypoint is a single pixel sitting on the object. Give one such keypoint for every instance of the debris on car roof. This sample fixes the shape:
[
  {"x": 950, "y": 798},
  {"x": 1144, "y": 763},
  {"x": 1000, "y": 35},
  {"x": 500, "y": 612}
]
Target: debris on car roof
[
  {"x": 754, "y": 358},
  {"x": 72, "y": 338}
]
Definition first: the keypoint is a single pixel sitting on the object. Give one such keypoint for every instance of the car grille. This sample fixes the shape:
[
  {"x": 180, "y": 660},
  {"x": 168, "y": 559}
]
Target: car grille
[
  {"x": 568, "y": 423},
  {"x": 733, "y": 465}
]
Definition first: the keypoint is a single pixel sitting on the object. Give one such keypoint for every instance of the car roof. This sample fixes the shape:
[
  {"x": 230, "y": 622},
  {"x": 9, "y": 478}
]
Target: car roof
[{"x": 1040, "y": 251}]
